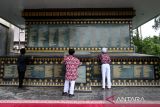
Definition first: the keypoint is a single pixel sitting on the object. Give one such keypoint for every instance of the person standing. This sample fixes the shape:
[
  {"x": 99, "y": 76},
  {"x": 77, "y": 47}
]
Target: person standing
[
  {"x": 105, "y": 68},
  {"x": 72, "y": 63},
  {"x": 21, "y": 66}
]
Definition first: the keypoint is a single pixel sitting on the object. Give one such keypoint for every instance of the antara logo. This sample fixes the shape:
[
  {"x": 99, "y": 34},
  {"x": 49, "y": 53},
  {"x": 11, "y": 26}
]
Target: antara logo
[
  {"x": 112, "y": 100},
  {"x": 129, "y": 99}
]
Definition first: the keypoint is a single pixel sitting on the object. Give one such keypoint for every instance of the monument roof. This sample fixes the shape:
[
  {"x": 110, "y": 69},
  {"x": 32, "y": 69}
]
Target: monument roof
[{"x": 146, "y": 10}]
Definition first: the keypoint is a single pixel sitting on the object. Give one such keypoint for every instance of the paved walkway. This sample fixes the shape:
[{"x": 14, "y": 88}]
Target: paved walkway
[{"x": 55, "y": 93}]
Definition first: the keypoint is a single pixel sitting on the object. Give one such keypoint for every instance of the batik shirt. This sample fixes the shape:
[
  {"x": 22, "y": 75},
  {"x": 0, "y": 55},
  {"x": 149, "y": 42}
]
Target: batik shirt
[
  {"x": 104, "y": 58},
  {"x": 72, "y": 63}
]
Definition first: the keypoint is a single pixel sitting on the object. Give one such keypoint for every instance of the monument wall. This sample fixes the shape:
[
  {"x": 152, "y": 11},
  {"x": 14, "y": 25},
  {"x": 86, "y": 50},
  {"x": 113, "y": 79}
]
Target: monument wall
[
  {"x": 51, "y": 32},
  {"x": 107, "y": 35}
]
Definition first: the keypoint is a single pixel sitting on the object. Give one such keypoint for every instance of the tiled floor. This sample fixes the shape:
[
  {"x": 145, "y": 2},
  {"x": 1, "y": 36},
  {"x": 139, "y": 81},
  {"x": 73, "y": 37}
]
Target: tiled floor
[{"x": 55, "y": 93}]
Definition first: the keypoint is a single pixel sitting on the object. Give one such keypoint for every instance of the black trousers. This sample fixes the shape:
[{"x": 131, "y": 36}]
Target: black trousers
[{"x": 21, "y": 74}]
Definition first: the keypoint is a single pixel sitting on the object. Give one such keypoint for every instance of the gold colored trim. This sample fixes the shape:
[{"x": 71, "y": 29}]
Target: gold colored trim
[
  {"x": 130, "y": 83},
  {"x": 79, "y": 12},
  {"x": 39, "y": 49},
  {"x": 78, "y": 21}
]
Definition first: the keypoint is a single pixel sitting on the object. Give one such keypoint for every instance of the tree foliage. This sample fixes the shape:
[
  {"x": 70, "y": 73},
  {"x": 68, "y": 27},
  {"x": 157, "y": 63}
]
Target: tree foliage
[
  {"x": 149, "y": 45},
  {"x": 137, "y": 41},
  {"x": 156, "y": 25}
]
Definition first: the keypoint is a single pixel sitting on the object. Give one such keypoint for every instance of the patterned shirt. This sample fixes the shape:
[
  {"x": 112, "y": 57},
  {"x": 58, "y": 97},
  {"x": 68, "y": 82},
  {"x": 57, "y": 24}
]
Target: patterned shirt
[
  {"x": 72, "y": 63},
  {"x": 104, "y": 58}
]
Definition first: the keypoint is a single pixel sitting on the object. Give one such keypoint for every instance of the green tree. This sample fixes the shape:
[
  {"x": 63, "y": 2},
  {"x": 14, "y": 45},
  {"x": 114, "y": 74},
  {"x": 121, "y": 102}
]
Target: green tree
[
  {"x": 149, "y": 45},
  {"x": 156, "y": 25},
  {"x": 137, "y": 41}
]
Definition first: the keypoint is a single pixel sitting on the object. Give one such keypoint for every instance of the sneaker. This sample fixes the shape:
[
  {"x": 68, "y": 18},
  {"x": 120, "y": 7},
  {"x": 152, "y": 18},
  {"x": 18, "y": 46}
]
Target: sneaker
[
  {"x": 71, "y": 95},
  {"x": 108, "y": 88},
  {"x": 64, "y": 94}
]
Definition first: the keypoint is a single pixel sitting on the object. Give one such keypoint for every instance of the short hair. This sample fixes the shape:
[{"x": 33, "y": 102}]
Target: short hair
[
  {"x": 71, "y": 51},
  {"x": 22, "y": 51}
]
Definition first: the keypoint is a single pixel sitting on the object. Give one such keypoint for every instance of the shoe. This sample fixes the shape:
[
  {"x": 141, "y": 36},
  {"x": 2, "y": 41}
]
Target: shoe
[
  {"x": 23, "y": 88},
  {"x": 20, "y": 87},
  {"x": 71, "y": 95},
  {"x": 103, "y": 88},
  {"x": 64, "y": 94},
  {"x": 108, "y": 88}
]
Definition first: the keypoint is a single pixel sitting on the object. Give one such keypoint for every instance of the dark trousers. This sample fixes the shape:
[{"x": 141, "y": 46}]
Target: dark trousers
[{"x": 21, "y": 74}]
